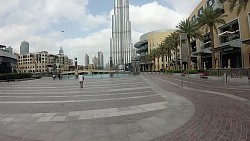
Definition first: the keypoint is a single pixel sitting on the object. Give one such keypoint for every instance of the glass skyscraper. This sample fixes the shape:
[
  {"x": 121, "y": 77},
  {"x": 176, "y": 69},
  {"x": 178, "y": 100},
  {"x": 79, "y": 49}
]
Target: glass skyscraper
[
  {"x": 100, "y": 59},
  {"x": 86, "y": 59},
  {"x": 121, "y": 47},
  {"x": 24, "y": 48}
]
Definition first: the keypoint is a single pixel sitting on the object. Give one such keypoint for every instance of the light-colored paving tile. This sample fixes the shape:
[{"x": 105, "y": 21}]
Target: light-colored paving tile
[
  {"x": 49, "y": 114},
  {"x": 98, "y": 113},
  {"x": 88, "y": 116},
  {"x": 26, "y": 115},
  {"x": 117, "y": 129},
  {"x": 37, "y": 115},
  {"x": 58, "y": 118},
  {"x": 136, "y": 111},
  {"x": 8, "y": 119},
  {"x": 74, "y": 113},
  {"x": 126, "y": 112},
  {"x": 44, "y": 119}
]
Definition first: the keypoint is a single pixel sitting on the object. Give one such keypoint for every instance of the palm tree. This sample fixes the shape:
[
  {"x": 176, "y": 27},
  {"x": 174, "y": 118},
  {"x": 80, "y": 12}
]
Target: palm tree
[
  {"x": 158, "y": 55},
  {"x": 192, "y": 30},
  {"x": 240, "y": 3},
  {"x": 145, "y": 59},
  {"x": 153, "y": 55},
  {"x": 169, "y": 45},
  {"x": 162, "y": 51},
  {"x": 209, "y": 19},
  {"x": 175, "y": 40}
]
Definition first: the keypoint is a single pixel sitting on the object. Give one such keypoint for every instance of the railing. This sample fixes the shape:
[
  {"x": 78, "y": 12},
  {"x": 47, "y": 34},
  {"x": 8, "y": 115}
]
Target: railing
[
  {"x": 231, "y": 37},
  {"x": 232, "y": 72}
]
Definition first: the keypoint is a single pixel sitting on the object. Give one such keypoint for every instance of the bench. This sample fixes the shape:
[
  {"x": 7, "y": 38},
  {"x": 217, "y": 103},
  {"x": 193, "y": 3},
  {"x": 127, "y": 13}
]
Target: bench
[{"x": 204, "y": 76}]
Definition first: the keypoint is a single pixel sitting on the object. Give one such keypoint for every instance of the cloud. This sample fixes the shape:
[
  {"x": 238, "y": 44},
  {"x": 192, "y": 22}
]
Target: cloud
[
  {"x": 40, "y": 23},
  {"x": 153, "y": 16},
  {"x": 90, "y": 45},
  {"x": 183, "y": 6}
]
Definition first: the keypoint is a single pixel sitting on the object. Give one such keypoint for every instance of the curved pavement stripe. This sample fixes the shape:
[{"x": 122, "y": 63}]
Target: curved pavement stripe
[{"x": 132, "y": 118}]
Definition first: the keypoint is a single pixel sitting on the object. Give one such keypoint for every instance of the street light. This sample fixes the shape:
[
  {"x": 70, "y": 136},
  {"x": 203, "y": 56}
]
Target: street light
[
  {"x": 185, "y": 53},
  {"x": 76, "y": 68}
]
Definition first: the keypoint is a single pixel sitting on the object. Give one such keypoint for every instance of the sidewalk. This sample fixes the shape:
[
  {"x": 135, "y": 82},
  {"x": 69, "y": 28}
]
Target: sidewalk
[{"x": 216, "y": 117}]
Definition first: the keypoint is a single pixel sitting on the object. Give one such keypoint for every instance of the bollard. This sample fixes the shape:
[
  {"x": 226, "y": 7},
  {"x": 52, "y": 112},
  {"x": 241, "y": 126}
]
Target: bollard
[{"x": 225, "y": 77}]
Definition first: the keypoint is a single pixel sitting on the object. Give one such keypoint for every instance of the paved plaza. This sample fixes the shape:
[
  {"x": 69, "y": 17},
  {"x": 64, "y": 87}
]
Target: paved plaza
[{"x": 135, "y": 108}]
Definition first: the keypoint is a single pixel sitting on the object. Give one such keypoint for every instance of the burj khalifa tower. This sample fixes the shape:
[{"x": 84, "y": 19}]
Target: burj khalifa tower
[{"x": 121, "y": 47}]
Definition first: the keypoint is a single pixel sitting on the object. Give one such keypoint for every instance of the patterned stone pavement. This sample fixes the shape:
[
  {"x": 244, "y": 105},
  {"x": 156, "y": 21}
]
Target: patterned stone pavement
[
  {"x": 148, "y": 107},
  {"x": 222, "y": 111},
  {"x": 130, "y": 109}
]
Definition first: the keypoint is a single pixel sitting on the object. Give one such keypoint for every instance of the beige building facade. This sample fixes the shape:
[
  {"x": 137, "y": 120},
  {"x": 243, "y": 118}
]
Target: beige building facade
[
  {"x": 232, "y": 40},
  {"x": 155, "y": 38},
  {"x": 147, "y": 43},
  {"x": 43, "y": 62}
]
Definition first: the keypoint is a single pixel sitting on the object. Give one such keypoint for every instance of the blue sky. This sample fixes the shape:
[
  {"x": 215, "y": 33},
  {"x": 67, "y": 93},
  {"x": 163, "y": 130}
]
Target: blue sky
[{"x": 86, "y": 23}]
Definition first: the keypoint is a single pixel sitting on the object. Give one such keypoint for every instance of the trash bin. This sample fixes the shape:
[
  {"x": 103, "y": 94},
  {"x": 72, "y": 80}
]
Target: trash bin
[{"x": 225, "y": 77}]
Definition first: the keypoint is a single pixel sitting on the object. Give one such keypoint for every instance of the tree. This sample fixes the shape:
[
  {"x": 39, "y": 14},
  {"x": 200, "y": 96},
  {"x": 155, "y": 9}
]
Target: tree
[
  {"x": 162, "y": 51},
  {"x": 192, "y": 30},
  {"x": 153, "y": 55},
  {"x": 158, "y": 55},
  {"x": 168, "y": 45},
  {"x": 209, "y": 19},
  {"x": 174, "y": 40},
  {"x": 145, "y": 59},
  {"x": 240, "y": 3}
]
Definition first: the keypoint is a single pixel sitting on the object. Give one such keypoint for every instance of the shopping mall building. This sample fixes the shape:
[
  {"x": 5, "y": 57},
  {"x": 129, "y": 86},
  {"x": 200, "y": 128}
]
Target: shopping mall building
[{"x": 231, "y": 41}]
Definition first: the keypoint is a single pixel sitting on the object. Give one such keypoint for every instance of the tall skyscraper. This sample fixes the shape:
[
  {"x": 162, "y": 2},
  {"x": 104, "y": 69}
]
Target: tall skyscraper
[
  {"x": 86, "y": 59},
  {"x": 121, "y": 47},
  {"x": 100, "y": 59},
  {"x": 94, "y": 60},
  {"x": 24, "y": 48},
  {"x": 61, "y": 51}
]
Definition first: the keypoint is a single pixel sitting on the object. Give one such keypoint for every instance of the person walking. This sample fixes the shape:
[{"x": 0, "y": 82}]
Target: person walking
[
  {"x": 81, "y": 79},
  {"x": 54, "y": 77}
]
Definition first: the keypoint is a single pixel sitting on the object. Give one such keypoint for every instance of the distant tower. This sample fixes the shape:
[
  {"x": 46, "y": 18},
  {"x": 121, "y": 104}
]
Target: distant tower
[
  {"x": 121, "y": 47},
  {"x": 61, "y": 51},
  {"x": 100, "y": 59},
  {"x": 86, "y": 59},
  {"x": 94, "y": 60},
  {"x": 10, "y": 49},
  {"x": 24, "y": 48}
]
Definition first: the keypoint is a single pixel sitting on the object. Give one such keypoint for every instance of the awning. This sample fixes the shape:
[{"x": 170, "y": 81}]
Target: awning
[
  {"x": 140, "y": 43},
  {"x": 229, "y": 47},
  {"x": 201, "y": 53},
  {"x": 247, "y": 41}
]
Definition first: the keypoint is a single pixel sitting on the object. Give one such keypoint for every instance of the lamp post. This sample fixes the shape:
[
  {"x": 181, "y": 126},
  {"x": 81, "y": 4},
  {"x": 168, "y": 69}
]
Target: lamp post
[
  {"x": 76, "y": 68},
  {"x": 185, "y": 53}
]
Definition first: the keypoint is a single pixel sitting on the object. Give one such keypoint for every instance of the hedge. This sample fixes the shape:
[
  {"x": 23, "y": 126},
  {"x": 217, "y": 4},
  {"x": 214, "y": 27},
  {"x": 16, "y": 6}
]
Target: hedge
[{"x": 13, "y": 76}]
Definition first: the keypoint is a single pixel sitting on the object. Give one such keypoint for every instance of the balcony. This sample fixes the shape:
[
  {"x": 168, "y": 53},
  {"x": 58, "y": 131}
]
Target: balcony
[
  {"x": 140, "y": 44},
  {"x": 230, "y": 38},
  {"x": 5, "y": 53},
  {"x": 142, "y": 49},
  {"x": 218, "y": 5}
]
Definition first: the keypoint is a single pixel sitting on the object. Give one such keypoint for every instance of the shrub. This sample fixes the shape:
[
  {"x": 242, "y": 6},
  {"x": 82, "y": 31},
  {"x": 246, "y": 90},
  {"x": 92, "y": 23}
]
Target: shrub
[
  {"x": 13, "y": 76},
  {"x": 193, "y": 72},
  {"x": 202, "y": 71},
  {"x": 174, "y": 71}
]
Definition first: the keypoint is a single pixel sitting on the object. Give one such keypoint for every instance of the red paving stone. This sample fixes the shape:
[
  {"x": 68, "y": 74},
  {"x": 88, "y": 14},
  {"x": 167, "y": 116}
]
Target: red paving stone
[{"x": 216, "y": 117}]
